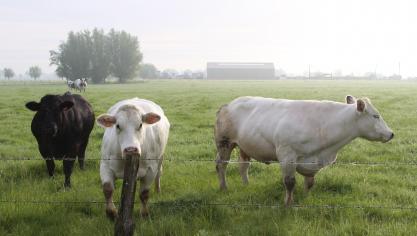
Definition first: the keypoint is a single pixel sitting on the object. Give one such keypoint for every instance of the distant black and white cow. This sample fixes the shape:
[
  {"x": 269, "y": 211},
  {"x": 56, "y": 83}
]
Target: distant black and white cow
[
  {"x": 80, "y": 84},
  {"x": 133, "y": 127},
  {"x": 62, "y": 125},
  {"x": 70, "y": 84},
  {"x": 303, "y": 136}
]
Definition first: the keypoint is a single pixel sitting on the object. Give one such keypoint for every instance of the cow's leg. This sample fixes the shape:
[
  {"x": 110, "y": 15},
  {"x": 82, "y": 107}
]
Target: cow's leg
[
  {"x": 81, "y": 162},
  {"x": 224, "y": 149},
  {"x": 244, "y": 164},
  {"x": 107, "y": 180},
  {"x": 144, "y": 197},
  {"x": 68, "y": 164},
  {"x": 81, "y": 154},
  {"x": 50, "y": 165},
  {"x": 145, "y": 184},
  {"x": 158, "y": 178},
  {"x": 308, "y": 183},
  {"x": 111, "y": 210},
  {"x": 288, "y": 164}
]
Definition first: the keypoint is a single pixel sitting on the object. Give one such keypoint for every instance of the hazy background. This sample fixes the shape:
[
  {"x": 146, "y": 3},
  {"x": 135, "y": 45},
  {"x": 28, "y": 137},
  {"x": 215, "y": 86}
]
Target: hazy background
[{"x": 333, "y": 36}]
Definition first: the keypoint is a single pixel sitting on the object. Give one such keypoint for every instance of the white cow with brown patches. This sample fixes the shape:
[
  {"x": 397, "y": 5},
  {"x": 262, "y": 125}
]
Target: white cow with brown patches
[
  {"x": 304, "y": 136},
  {"x": 133, "y": 127}
]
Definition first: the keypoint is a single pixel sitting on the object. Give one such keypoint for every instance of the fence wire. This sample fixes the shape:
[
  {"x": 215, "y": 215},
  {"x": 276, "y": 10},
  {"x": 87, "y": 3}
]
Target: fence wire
[
  {"x": 214, "y": 204},
  {"x": 337, "y": 162}
]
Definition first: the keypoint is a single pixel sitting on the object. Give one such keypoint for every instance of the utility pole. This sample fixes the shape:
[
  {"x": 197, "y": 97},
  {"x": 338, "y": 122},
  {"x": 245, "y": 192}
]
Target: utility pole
[{"x": 308, "y": 71}]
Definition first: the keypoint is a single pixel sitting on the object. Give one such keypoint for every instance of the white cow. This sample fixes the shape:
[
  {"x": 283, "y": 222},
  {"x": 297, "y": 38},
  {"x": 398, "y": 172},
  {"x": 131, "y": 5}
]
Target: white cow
[
  {"x": 80, "y": 84},
  {"x": 295, "y": 133},
  {"x": 133, "y": 127}
]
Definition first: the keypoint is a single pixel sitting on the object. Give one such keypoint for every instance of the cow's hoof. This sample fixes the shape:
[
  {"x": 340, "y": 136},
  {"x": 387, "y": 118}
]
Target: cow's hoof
[
  {"x": 144, "y": 214},
  {"x": 112, "y": 214},
  {"x": 67, "y": 185}
]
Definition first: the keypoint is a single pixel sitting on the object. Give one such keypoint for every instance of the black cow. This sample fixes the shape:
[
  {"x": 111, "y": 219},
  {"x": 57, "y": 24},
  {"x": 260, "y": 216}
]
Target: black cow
[{"x": 62, "y": 125}]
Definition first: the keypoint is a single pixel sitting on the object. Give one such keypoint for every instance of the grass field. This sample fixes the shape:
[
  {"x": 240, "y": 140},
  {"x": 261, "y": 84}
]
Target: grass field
[{"x": 183, "y": 207}]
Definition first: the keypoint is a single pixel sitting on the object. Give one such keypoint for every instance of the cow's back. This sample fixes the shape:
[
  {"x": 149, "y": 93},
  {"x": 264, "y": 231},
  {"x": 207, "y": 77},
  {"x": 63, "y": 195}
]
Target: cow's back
[
  {"x": 260, "y": 125},
  {"x": 265, "y": 113},
  {"x": 145, "y": 105}
]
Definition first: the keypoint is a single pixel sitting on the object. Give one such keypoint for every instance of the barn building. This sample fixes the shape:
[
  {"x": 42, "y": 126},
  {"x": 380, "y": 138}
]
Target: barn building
[{"x": 240, "y": 71}]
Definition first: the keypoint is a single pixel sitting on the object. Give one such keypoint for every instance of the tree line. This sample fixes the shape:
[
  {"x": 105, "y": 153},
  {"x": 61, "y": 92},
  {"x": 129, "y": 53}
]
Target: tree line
[
  {"x": 97, "y": 55},
  {"x": 34, "y": 72}
]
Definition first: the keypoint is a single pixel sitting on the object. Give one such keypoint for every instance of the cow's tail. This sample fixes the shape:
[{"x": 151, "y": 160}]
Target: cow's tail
[{"x": 222, "y": 123}]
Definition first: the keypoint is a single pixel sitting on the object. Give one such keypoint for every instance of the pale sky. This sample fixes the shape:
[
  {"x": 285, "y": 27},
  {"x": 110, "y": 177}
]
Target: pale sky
[{"x": 354, "y": 36}]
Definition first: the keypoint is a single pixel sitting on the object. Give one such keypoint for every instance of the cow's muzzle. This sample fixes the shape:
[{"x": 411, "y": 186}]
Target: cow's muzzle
[
  {"x": 131, "y": 151},
  {"x": 390, "y": 137}
]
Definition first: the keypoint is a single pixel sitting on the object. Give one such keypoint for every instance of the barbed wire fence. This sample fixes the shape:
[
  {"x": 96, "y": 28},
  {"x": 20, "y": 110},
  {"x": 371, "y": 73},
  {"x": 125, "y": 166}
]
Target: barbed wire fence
[
  {"x": 193, "y": 204},
  {"x": 213, "y": 204},
  {"x": 338, "y": 162}
]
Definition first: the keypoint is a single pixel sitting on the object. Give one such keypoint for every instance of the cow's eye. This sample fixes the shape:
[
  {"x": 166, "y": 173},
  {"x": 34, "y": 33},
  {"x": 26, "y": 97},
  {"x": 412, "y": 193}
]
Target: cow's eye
[
  {"x": 118, "y": 126},
  {"x": 376, "y": 116},
  {"x": 140, "y": 127}
]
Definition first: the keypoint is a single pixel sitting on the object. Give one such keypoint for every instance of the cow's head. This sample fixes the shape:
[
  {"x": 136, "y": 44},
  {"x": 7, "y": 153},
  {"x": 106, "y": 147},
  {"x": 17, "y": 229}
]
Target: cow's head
[
  {"x": 83, "y": 82},
  {"x": 49, "y": 113},
  {"x": 370, "y": 123},
  {"x": 128, "y": 124}
]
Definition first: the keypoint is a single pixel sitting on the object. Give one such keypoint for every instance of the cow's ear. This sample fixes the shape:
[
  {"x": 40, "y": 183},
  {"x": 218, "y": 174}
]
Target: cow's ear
[
  {"x": 106, "y": 121},
  {"x": 66, "y": 105},
  {"x": 360, "y": 105},
  {"x": 350, "y": 99},
  {"x": 33, "y": 106},
  {"x": 150, "y": 118}
]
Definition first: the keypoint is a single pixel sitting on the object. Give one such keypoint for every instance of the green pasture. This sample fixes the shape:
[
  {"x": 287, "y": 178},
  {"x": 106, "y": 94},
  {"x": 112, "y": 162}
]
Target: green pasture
[{"x": 347, "y": 199}]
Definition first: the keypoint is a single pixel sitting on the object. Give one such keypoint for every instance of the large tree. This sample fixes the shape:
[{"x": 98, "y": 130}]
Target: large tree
[
  {"x": 95, "y": 55},
  {"x": 148, "y": 71},
  {"x": 100, "y": 57},
  {"x": 35, "y": 72},
  {"x": 73, "y": 57},
  {"x": 8, "y": 73},
  {"x": 125, "y": 55}
]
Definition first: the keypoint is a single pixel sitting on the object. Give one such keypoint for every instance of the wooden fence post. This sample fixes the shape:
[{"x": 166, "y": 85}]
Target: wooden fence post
[{"x": 125, "y": 225}]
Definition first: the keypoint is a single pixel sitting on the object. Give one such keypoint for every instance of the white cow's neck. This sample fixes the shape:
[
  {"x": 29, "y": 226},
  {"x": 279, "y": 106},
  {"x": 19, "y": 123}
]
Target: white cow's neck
[{"x": 346, "y": 134}]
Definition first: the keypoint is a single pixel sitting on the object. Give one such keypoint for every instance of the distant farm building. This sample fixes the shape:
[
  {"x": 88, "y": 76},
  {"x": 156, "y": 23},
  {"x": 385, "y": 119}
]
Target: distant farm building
[{"x": 240, "y": 71}]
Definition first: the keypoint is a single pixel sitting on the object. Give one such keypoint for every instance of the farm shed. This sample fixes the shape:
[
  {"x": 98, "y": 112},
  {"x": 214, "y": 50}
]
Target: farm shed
[{"x": 240, "y": 71}]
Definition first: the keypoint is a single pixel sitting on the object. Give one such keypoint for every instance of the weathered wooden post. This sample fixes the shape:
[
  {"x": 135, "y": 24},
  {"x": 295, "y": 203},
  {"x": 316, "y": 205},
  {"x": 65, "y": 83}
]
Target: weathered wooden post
[{"x": 124, "y": 224}]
